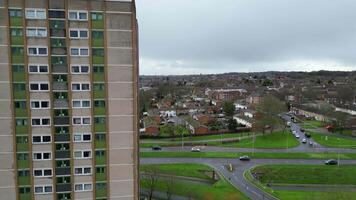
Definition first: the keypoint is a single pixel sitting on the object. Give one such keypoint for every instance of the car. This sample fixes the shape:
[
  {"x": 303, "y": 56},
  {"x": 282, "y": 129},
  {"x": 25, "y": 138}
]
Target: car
[
  {"x": 304, "y": 140},
  {"x": 195, "y": 149},
  {"x": 311, "y": 143},
  {"x": 297, "y": 136},
  {"x": 244, "y": 158},
  {"x": 302, "y": 130},
  {"x": 156, "y": 148},
  {"x": 308, "y": 135},
  {"x": 331, "y": 162}
]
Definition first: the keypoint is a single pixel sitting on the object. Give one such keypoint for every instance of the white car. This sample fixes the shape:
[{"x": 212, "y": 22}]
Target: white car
[
  {"x": 297, "y": 136},
  {"x": 195, "y": 149},
  {"x": 294, "y": 132},
  {"x": 304, "y": 141}
]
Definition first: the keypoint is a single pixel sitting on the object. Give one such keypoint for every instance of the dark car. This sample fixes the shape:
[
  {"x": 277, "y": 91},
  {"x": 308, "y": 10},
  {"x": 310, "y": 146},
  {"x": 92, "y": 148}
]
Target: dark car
[
  {"x": 244, "y": 158},
  {"x": 156, "y": 148},
  {"x": 302, "y": 130},
  {"x": 330, "y": 162},
  {"x": 307, "y": 135}
]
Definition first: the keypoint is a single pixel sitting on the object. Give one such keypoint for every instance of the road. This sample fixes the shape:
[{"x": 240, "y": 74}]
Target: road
[{"x": 236, "y": 178}]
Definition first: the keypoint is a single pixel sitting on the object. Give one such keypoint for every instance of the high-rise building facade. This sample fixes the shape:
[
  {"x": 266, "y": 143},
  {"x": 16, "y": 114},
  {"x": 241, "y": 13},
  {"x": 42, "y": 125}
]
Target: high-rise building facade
[{"x": 68, "y": 99}]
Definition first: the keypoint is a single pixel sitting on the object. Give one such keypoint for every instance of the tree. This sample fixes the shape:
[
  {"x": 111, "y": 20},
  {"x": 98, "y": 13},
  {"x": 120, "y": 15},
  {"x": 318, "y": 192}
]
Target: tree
[
  {"x": 229, "y": 108},
  {"x": 232, "y": 124},
  {"x": 269, "y": 110},
  {"x": 150, "y": 179},
  {"x": 169, "y": 186}
]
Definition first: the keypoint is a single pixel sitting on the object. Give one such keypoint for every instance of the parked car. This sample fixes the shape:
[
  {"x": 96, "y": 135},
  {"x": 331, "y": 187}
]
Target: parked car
[
  {"x": 311, "y": 143},
  {"x": 195, "y": 149},
  {"x": 331, "y": 162},
  {"x": 302, "y": 130},
  {"x": 308, "y": 135},
  {"x": 304, "y": 141},
  {"x": 156, "y": 148},
  {"x": 297, "y": 136},
  {"x": 244, "y": 158}
]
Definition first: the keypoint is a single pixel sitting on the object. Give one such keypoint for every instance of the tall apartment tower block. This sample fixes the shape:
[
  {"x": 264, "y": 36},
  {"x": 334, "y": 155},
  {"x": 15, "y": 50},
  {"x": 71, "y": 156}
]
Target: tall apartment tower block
[{"x": 68, "y": 100}]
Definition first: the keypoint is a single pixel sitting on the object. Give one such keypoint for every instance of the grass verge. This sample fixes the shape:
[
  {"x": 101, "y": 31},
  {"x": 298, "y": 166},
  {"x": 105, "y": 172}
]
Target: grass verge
[{"x": 333, "y": 140}]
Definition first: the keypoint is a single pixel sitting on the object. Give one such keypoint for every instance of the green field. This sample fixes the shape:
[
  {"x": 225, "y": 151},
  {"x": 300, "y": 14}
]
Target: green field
[
  {"x": 256, "y": 155},
  {"x": 307, "y": 174},
  {"x": 312, "y": 124},
  {"x": 334, "y": 140},
  {"x": 221, "y": 189},
  {"x": 276, "y": 140}
]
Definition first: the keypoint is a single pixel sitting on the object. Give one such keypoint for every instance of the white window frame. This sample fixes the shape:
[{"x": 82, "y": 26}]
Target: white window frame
[
  {"x": 40, "y": 103},
  {"x": 80, "y": 69},
  {"x": 38, "y": 68},
  {"x": 41, "y": 120},
  {"x": 77, "y": 15},
  {"x": 82, "y": 154},
  {"x": 41, "y": 139},
  {"x": 39, "y": 86},
  {"x": 79, "y": 51},
  {"x": 81, "y": 120},
  {"x": 81, "y": 137},
  {"x": 42, "y": 171},
  {"x": 83, "y": 174},
  {"x": 37, "y": 49},
  {"x": 43, "y": 189},
  {"x": 36, "y": 29},
  {"x": 81, "y": 103},
  {"x": 36, "y": 10},
  {"x": 78, "y": 30},
  {"x": 81, "y": 86},
  {"x": 42, "y": 153}
]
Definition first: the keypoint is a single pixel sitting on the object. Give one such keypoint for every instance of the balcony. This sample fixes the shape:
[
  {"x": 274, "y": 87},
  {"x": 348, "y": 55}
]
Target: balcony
[
  {"x": 60, "y": 85},
  {"x": 97, "y": 24},
  {"x": 98, "y": 77},
  {"x": 22, "y": 147},
  {"x": 19, "y": 112},
  {"x": 61, "y": 130},
  {"x": 99, "y": 110},
  {"x": 100, "y": 160},
  {"x": 60, "y": 95},
  {"x": 97, "y": 42},
  {"x": 64, "y": 196},
  {"x": 100, "y": 60},
  {"x": 99, "y": 128},
  {"x": 57, "y": 33},
  {"x": 59, "y": 68},
  {"x": 23, "y": 164},
  {"x": 100, "y": 176},
  {"x": 99, "y": 94},
  {"x": 62, "y": 137},
  {"x": 21, "y": 129},
  {"x": 61, "y": 60},
  {"x": 20, "y": 94},
  {"x": 59, "y": 51},
  {"x": 57, "y": 24},
  {"x": 55, "y": 42},
  {"x": 18, "y": 76},
  {"x": 99, "y": 193},
  {"x": 17, "y": 58},
  {"x": 61, "y": 121},
  {"x": 15, "y": 21},
  {"x": 62, "y": 171},
  {"x": 62, "y": 154},
  {"x": 100, "y": 144},
  {"x": 26, "y": 196},
  {"x": 60, "y": 103},
  {"x": 17, "y": 40},
  {"x": 63, "y": 187},
  {"x": 24, "y": 180}
]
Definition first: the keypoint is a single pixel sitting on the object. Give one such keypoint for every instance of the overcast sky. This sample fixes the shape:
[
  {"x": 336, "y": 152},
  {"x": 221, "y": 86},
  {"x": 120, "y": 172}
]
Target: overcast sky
[{"x": 216, "y": 36}]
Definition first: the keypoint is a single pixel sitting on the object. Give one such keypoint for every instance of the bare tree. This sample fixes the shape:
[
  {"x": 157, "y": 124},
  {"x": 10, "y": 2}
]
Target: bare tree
[
  {"x": 150, "y": 179},
  {"x": 169, "y": 185}
]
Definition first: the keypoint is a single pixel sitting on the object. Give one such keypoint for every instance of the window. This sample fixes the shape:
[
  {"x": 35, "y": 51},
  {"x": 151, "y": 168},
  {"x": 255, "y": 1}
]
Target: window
[
  {"x": 42, "y": 172},
  {"x": 100, "y": 153},
  {"x": 97, "y": 16},
  {"x": 47, "y": 189},
  {"x": 99, "y": 120},
  {"x": 18, "y": 68},
  {"x": 81, "y": 103},
  {"x": 97, "y": 34},
  {"x": 82, "y": 154},
  {"x": 15, "y": 13},
  {"x": 78, "y": 33},
  {"x": 100, "y": 170},
  {"x": 82, "y": 137},
  {"x": 80, "y": 86},
  {"x": 21, "y": 122},
  {"x": 37, "y": 51},
  {"x": 98, "y": 69},
  {"x": 99, "y": 86},
  {"x": 82, "y": 170},
  {"x": 22, "y": 156},
  {"x": 38, "y": 69},
  {"x": 83, "y": 187},
  {"x": 35, "y": 13},
  {"x": 80, "y": 69},
  {"x": 98, "y": 52},
  {"x": 39, "y": 104},
  {"x": 21, "y": 140},
  {"x": 23, "y": 173},
  {"x": 18, "y": 87},
  {"x": 41, "y": 139},
  {"x": 24, "y": 190},
  {"x": 56, "y": 14},
  {"x": 16, "y": 32},
  {"x": 78, "y": 15},
  {"x": 41, "y": 121},
  {"x": 76, "y": 51},
  {"x": 42, "y": 156},
  {"x": 39, "y": 86},
  {"x": 36, "y": 32},
  {"x": 81, "y": 121},
  {"x": 20, "y": 105}
]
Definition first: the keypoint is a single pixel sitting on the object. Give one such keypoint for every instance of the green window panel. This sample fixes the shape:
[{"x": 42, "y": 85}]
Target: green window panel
[
  {"x": 23, "y": 161},
  {"x": 99, "y": 124},
  {"x": 25, "y": 193},
  {"x": 100, "y": 173},
  {"x": 23, "y": 177},
  {"x": 19, "y": 90},
  {"x": 98, "y": 74},
  {"x": 58, "y": 60},
  {"x": 97, "y": 20},
  {"x": 98, "y": 55},
  {"x": 98, "y": 59},
  {"x": 100, "y": 144},
  {"x": 97, "y": 38},
  {"x": 22, "y": 143},
  {"x": 100, "y": 190},
  {"x": 16, "y": 36},
  {"x": 58, "y": 42},
  {"x": 100, "y": 141},
  {"x": 19, "y": 76},
  {"x": 15, "y": 17},
  {"x": 99, "y": 90},
  {"x": 57, "y": 24},
  {"x": 17, "y": 55},
  {"x": 100, "y": 157},
  {"x": 20, "y": 108},
  {"x": 21, "y": 126}
]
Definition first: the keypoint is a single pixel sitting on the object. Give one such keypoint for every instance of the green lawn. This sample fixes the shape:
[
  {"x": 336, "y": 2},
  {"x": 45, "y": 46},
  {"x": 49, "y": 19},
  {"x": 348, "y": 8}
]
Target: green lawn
[
  {"x": 219, "y": 190},
  {"x": 334, "y": 140},
  {"x": 255, "y": 155},
  {"x": 307, "y": 174},
  {"x": 276, "y": 140},
  {"x": 310, "y": 124},
  {"x": 314, "y": 195}
]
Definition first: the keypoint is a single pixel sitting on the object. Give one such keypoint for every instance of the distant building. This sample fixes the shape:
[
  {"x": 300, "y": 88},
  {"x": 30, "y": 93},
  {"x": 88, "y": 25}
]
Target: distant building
[{"x": 226, "y": 94}]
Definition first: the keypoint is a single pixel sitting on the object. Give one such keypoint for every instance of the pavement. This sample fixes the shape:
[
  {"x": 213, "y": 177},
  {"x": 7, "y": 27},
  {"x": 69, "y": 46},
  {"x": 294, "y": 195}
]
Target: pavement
[{"x": 236, "y": 178}]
